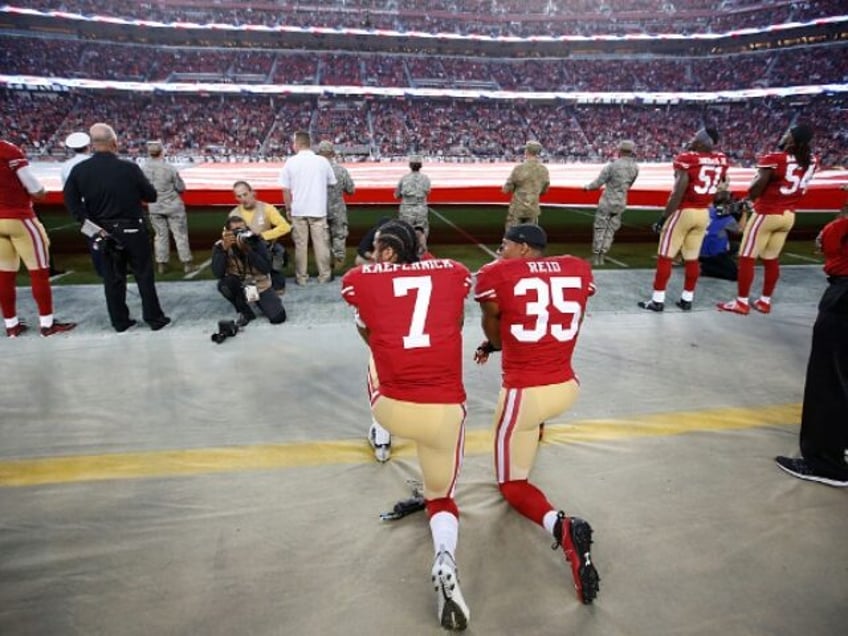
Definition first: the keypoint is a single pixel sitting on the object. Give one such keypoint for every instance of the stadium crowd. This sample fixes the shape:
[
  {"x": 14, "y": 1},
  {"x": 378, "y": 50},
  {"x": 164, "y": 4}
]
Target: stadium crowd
[
  {"x": 482, "y": 17},
  {"x": 49, "y": 57},
  {"x": 251, "y": 128}
]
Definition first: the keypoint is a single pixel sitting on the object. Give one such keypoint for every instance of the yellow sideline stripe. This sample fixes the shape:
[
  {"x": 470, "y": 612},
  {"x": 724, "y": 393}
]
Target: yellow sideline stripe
[{"x": 195, "y": 461}]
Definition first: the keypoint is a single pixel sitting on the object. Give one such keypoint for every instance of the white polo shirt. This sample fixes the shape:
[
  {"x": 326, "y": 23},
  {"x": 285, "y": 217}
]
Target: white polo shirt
[{"x": 307, "y": 176}]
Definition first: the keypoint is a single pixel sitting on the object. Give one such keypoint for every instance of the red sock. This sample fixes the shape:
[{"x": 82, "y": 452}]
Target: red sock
[
  {"x": 692, "y": 269},
  {"x": 526, "y": 499},
  {"x": 41, "y": 292},
  {"x": 746, "y": 276},
  {"x": 663, "y": 273},
  {"x": 771, "y": 272},
  {"x": 7, "y": 294}
]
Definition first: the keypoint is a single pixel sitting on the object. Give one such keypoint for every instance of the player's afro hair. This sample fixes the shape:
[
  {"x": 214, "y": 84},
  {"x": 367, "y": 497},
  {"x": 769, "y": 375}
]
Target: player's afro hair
[{"x": 400, "y": 236}]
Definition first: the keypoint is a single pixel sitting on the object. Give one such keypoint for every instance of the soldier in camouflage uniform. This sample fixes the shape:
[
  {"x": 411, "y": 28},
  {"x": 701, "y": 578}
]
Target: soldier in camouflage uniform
[
  {"x": 527, "y": 182},
  {"x": 413, "y": 189},
  {"x": 616, "y": 177},
  {"x": 168, "y": 212},
  {"x": 336, "y": 208}
]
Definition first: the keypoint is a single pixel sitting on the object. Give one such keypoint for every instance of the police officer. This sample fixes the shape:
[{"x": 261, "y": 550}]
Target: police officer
[
  {"x": 168, "y": 212},
  {"x": 109, "y": 191},
  {"x": 527, "y": 182},
  {"x": 616, "y": 177},
  {"x": 336, "y": 207},
  {"x": 412, "y": 190}
]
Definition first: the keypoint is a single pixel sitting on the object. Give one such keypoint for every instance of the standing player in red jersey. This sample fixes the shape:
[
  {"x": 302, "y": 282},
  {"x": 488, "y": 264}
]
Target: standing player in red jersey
[
  {"x": 533, "y": 307},
  {"x": 782, "y": 179},
  {"x": 22, "y": 237},
  {"x": 410, "y": 314},
  {"x": 824, "y": 424},
  {"x": 697, "y": 174}
]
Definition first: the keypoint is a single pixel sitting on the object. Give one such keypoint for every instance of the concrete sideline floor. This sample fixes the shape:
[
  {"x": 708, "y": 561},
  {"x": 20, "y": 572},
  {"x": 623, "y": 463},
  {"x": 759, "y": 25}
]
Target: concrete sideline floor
[{"x": 158, "y": 483}]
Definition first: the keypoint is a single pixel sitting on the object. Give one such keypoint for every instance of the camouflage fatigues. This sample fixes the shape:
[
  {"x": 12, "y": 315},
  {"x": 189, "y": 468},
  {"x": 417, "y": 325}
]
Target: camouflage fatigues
[
  {"x": 168, "y": 212},
  {"x": 413, "y": 189},
  {"x": 616, "y": 177},
  {"x": 337, "y": 210},
  {"x": 527, "y": 182}
]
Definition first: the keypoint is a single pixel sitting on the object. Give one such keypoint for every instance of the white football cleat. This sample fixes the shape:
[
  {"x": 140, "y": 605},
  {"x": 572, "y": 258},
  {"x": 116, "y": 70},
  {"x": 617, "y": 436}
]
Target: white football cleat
[
  {"x": 452, "y": 611},
  {"x": 381, "y": 441}
]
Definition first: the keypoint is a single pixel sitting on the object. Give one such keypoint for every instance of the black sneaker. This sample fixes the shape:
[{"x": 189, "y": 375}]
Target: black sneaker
[
  {"x": 245, "y": 318},
  {"x": 685, "y": 305},
  {"x": 798, "y": 467},
  {"x": 574, "y": 536},
  {"x": 651, "y": 305},
  {"x": 131, "y": 323},
  {"x": 156, "y": 325}
]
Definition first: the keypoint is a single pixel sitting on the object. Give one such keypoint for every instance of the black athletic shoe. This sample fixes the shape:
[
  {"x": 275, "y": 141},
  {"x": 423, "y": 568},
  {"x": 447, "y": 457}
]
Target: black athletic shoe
[
  {"x": 574, "y": 536},
  {"x": 156, "y": 325},
  {"x": 798, "y": 467},
  {"x": 651, "y": 305},
  {"x": 685, "y": 305}
]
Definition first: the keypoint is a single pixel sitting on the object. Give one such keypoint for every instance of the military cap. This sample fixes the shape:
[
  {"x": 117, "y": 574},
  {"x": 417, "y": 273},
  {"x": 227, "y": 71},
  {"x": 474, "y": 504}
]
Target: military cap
[
  {"x": 533, "y": 147},
  {"x": 326, "y": 148},
  {"x": 77, "y": 140},
  {"x": 415, "y": 159},
  {"x": 627, "y": 145},
  {"x": 529, "y": 233}
]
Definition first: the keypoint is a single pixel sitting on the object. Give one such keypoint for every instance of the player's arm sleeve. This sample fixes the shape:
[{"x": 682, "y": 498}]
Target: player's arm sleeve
[
  {"x": 761, "y": 180},
  {"x": 681, "y": 181},
  {"x": 491, "y": 322},
  {"x": 29, "y": 181},
  {"x": 279, "y": 226}
]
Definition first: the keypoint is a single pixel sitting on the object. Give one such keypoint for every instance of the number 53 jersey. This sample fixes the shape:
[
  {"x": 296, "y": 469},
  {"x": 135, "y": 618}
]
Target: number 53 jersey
[
  {"x": 413, "y": 313},
  {"x": 541, "y": 303}
]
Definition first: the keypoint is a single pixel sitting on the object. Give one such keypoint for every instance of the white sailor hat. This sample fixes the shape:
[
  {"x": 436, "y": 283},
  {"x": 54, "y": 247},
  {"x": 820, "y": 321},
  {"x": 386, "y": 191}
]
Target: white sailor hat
[{"x": 77, "y": 140}]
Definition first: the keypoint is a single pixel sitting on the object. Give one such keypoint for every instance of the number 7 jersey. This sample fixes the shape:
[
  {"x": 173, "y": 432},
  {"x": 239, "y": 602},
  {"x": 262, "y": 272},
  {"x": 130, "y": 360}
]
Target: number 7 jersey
[
  {"x": 542, "y": 302},
  {"x": 413, "y": 313}
]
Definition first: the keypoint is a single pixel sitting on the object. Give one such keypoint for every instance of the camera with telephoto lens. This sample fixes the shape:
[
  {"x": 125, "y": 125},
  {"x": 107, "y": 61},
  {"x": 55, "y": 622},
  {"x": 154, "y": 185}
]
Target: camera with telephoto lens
[
  {"x": 244, "y": 234},
  {"x": 226, "y": 329}
]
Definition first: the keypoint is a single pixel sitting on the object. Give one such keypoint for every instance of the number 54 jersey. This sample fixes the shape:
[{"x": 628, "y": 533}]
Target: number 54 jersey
[
  {"x": 413, "y": 313},
  {"x": 541, "y": 303}
]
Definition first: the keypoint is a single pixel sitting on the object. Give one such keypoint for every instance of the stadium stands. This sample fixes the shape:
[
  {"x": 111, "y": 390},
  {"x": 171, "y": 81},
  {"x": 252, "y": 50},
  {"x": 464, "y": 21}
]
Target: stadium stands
[{"x": 233, "y": 126}]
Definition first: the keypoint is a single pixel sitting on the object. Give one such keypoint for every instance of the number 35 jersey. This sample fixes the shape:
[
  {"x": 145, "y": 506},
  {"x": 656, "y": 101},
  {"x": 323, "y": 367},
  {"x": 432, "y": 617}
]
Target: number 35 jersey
[
  {"x": 541, "y": 303},
  {"x": 413, "y": 313}
]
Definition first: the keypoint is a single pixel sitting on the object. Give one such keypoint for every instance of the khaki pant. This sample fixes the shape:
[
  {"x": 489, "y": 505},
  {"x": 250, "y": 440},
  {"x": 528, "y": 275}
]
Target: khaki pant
[
  {"x": 684, "y": 232},
  {"x": 176, "y": 224},
  {"x": 765, "y": 235},
  {"x": 439, "y": 434},
  {"x": 23, "y": 239},
  {"x": 302, "y": 228},
  {"x": 517, "y": 418}
]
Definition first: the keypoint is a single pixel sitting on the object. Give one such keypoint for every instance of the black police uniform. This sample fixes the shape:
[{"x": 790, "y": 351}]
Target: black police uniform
[{"x": 109, "y": 191}]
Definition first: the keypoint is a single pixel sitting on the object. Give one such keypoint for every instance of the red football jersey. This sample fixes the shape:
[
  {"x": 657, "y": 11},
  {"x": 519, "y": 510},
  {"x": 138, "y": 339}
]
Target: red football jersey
[
  {"x": 835, "y": 247},
  {"x": 788, "y": 182},
  {"x": 15, "y": 202},
  {"x": 414, "y": 314},
  {"x": 706, "y": 171},
  {"x": 541, "y": 302}
]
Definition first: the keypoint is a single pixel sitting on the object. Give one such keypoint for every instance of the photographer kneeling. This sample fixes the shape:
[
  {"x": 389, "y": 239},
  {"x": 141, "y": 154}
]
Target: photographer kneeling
[{"x": 242, "y": 263}]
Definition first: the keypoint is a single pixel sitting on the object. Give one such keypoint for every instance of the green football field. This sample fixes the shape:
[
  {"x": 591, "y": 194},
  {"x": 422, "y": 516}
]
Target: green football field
[{"x": 469, "y": 234}]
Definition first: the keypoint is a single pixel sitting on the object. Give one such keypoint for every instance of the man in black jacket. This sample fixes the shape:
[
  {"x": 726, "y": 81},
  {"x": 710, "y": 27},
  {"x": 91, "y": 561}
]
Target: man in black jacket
[
  {"x": 242, "y": 263},
  {"x": 109, "y": 192}
]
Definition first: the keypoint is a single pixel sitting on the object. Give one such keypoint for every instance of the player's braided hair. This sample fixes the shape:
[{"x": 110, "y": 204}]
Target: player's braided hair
[
  {"x": 400, "y": 236},
  {"x": 802, "y": 134}
]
